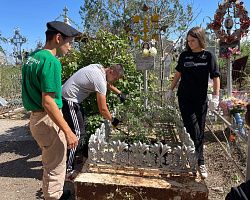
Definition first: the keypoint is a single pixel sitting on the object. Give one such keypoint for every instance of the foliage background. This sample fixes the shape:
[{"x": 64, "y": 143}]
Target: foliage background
[{"x": 10, "y": 81}]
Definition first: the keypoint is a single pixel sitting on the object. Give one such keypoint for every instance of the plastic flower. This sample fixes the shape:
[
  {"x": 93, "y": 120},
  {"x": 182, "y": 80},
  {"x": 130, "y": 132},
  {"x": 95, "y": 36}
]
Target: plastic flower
[
  {"x": 234, "y": 51},
  {"x": 153, "y": 51},
  {"x": 233, "y": 105},
  {"x": 145, "y": 52},
  {"x": 231, "y": 52}
]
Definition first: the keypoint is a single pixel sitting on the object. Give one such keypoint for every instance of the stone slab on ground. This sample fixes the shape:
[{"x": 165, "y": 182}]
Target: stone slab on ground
[{"x": 102, "y": 186}]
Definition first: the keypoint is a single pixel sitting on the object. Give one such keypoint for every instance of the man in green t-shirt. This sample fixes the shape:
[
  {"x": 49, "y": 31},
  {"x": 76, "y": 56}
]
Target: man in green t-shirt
[{"x": 41, "y": 94}]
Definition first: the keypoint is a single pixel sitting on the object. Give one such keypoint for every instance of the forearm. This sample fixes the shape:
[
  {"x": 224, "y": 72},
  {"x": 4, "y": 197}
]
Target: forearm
[
  {"x": 177, "y": 77},
  {"x": 216, "y": 86},
  {"x": 105, "y": 113},
  {"x": 102, "y": 106},
  {"x": 54, "y": 113},
  {"x": 113, "y": 89}
]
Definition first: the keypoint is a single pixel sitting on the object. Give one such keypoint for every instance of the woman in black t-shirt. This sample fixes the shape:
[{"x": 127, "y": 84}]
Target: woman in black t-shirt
[{"x": 195, "y": 66}]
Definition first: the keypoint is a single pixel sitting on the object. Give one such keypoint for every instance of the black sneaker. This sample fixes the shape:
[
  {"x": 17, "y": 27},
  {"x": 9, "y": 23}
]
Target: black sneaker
[{"x": 66, "y": 195}]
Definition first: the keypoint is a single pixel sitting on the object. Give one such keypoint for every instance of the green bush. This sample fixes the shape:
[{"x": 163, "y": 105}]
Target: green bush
[{"x": 10, "y": 81}]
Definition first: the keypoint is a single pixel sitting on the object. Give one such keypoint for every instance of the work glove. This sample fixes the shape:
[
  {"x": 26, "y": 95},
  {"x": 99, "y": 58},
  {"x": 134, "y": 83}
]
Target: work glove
[
  {"x": 214, "y": 102},
  {"x": 169, "y": 95},
  {"x": 122, "y": 97},
  {"x": 115, "y": 122}
]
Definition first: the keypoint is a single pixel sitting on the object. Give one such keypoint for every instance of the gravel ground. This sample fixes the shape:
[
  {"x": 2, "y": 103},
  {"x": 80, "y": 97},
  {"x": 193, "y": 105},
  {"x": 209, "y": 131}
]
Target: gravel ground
[
  {"x": 21, "y": 168},
  {"x": 20, "y": 162},
  {"x": 222, "y": 174}
]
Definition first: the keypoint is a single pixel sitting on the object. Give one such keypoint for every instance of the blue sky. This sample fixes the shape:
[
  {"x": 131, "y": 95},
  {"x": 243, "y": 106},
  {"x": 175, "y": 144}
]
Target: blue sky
[{"x": 31, "y": 16}]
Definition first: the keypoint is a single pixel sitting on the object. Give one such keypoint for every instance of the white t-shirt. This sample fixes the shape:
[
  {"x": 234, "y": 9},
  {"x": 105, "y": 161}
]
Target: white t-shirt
[{"x": 86, "y": 80}]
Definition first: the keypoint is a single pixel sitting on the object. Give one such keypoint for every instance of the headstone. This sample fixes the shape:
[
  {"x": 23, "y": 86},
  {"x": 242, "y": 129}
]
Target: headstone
[{"x": 144, "y": 63}]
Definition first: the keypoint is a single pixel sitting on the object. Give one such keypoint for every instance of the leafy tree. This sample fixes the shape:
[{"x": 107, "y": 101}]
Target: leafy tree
[
  {"x": 4, "y": 40},
  {"x": 114, "y": 15},
  {"x": 117, "y": 15}
]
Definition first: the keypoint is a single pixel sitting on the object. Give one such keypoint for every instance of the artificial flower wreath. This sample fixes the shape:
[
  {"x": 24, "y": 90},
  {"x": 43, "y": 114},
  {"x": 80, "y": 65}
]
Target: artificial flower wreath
[{"x": 239, "y": 12}]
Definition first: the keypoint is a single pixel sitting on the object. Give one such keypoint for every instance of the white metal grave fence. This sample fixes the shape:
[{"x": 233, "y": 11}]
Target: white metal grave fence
[{"x": 117, "y": 154}]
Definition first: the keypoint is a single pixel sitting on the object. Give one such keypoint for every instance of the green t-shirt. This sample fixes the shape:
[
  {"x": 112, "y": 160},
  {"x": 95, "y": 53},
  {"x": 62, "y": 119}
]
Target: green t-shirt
[{"x": 41, "y": 73}]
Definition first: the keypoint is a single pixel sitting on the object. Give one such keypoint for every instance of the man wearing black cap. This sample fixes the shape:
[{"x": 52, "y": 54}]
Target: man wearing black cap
[{"x": 41, "y": 94}]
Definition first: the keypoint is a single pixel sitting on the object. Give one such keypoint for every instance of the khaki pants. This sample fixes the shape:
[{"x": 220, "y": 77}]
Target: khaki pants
[{"x": 54, "y": 147}]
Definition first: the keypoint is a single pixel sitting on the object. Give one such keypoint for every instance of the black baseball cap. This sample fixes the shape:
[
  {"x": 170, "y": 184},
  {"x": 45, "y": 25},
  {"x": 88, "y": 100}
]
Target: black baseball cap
[{"x": 63, "y": 28}]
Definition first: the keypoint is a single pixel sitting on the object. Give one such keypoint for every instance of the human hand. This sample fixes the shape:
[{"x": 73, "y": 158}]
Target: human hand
[
  {"x": 72, "y": 140},
  {"x": 169, "y": 95},
  {"x": 115, "y": 122},
  {"x": 214, "y": 102},
  {"x": 122, "y": 97}
]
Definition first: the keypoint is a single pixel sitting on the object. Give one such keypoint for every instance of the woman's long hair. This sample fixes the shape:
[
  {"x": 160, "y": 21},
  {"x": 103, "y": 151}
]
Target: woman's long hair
[{"x": 199, "y": 33}]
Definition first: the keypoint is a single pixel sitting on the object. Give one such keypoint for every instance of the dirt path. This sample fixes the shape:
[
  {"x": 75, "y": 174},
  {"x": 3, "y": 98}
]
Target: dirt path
[
  {"x": 20, "y": 166},
  {"x": 20, "y": 162},
  {"x": 222, "y": 174}
]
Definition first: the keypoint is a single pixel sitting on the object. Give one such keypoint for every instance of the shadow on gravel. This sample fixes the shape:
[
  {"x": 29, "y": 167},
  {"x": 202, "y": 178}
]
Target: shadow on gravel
[
  {"x": 22, "y": 164},
  {"x": 18, "y": 157},
  {"x": 209, "y": 138},
  {"x": 16, "y": 133}
]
